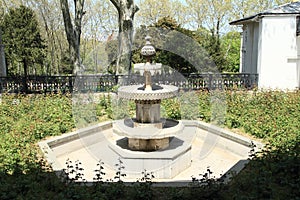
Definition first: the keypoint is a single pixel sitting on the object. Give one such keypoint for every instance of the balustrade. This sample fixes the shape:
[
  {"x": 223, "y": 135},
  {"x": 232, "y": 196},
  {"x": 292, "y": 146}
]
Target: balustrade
[{"x": 102, "y": 83}]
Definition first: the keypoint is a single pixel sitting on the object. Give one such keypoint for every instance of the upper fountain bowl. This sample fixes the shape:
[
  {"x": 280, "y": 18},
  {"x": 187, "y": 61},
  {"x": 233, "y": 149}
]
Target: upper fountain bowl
[{"x": 138, "y": 92}]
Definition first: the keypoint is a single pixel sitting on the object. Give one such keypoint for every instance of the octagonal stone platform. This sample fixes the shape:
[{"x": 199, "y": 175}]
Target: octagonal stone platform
[{"x": 200, "y": 145}]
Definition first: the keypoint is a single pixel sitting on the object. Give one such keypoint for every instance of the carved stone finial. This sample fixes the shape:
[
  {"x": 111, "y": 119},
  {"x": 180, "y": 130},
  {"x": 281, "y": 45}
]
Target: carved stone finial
[{"x": 148, "y": 50}]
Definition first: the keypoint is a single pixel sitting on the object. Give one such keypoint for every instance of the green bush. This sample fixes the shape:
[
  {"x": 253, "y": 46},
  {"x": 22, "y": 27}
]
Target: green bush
[
  {"x": 171, "y": 108},
  {"x": 271, "y": 115},
  {"x": 26, "y": 120}
]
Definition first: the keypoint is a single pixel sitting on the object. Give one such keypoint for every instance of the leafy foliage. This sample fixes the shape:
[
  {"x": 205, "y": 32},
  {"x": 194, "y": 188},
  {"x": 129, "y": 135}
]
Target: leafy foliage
[
  {"x": 26, "y": 120},
  {"x": 230, "y": 46},
  {"x": 73, "y": 172},
  {"x": 189, "y": 51},
  {"x": 23, "y": 41},
  {"x": 273, "y": 114},
  {"x": 214, "y": 50},
  {"x": 272, "y": 174},
  {"x": 99, "y": 172},
  {"x": 111, "y": 48},
  {"x": 175, "y": 46},
  {"x": 143, "y": 187},
  {"x": 171, "y": 109}
]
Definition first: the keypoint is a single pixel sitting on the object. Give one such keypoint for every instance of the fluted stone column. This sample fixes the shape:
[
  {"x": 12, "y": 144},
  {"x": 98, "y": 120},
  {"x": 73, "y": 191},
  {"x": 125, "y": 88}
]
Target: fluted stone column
[{"x": 148, "y": 111}]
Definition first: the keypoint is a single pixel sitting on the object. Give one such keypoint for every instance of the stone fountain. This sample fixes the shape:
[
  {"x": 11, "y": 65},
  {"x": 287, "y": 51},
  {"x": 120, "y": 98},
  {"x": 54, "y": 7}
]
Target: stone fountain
[
  {"x": 153, "y": 137},
  {"x": 148, "y": 131},
  {"x": 172, "y": 150}
]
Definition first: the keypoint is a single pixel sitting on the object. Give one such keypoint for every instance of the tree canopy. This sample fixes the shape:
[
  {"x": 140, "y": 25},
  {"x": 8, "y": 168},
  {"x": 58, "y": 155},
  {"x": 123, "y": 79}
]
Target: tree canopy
[
  {"x": 23, "y": 42},
  {"x": 206, "y": 21},
  {"x": 189, "y": 51}
]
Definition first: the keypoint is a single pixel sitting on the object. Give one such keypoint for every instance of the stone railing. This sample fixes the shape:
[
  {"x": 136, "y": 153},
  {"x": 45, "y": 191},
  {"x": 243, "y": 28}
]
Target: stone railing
[{"x": 107, "y": 82}]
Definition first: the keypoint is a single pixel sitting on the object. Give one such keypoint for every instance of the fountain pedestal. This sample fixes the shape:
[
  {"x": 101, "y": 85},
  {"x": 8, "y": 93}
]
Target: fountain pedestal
[
  {"x": 148, "y": 144},
  {"x": 148, "y": 115},
  {"x": 148, "y": 111}
]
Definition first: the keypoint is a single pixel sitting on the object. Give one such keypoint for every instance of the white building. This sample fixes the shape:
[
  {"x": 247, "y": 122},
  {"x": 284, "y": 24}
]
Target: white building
[{"x": 271, "y": 46}]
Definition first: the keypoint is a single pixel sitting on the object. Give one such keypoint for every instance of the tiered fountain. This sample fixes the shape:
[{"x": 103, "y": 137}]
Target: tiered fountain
[
  {"x": 150, "y": 139},
  {"x": 148, "y": 131}
]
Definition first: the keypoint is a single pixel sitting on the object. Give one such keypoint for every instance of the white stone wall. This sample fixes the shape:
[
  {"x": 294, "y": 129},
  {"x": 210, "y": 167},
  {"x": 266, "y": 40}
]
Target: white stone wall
[
  {"x": 249, "y": 48},
  {"x": 277, "y": 47},
  {"x": 298, "y": 61}
]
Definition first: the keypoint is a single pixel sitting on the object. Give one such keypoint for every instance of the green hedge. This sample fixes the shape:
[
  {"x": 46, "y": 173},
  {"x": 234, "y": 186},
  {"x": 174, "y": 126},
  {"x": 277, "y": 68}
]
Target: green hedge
[
  {"x": 271, "y": 115},
  {"x": 25, "y": 120}
]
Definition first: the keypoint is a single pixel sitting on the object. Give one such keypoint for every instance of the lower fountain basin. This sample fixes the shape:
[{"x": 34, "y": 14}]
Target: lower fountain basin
[
  {"x": 166, "y": 163},
  {"x": 200, "y": 145},
  {"x": 148, "y": 136},
  {"x": 128, "y": 129}
]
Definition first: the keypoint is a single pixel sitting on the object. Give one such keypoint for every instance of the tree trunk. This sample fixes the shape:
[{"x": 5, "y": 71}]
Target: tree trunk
[
  {"x": 25, "y": 77},
  {"x": 126, "y": 10},
  {"x": 73, "y": 32},
  {"x": 3, "y": 71},
  {"x": 51, "y": 40}
]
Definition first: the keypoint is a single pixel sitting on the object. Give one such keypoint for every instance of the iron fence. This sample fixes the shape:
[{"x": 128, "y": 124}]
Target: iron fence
[{"x": 107, "y": 82}]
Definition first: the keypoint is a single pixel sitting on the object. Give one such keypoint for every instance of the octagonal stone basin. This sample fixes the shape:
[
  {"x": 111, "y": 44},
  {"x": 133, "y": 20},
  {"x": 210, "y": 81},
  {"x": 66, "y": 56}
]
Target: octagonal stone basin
[
  {"x": 147, "y": 136},
  {"x": 147, "y": 131},
  {"x": 190, "y": 153}
]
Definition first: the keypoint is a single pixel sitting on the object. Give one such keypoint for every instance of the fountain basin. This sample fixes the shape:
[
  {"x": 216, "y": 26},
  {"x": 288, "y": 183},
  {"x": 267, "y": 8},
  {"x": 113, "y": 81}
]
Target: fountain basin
[
  {"x": 137, "y": 92},
  {"x": 221, "y": 150},
  {"x": 166, "y": 163},
  {"x": 147, "y": 136},
  {"x": 147, "y": 130}
]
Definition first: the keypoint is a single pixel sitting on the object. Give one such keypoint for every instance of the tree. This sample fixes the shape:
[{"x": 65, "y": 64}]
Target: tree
[
  {"x": 180, "y": 13},
  {"x": 152, "y": 10},
  {"x": 52, "y": 29},
  {"x": 244, "y": 8},
  {"x": 73, "y": 31},
  {"x": 24, "y": 45},
  {"x": 230, "y": 45},
  {"x": 197, "y": 13},
  {"x": 213, "y": 16},
  {"x": 176, "y": 47},
  {"x": 175, "y": 54},
  {"x": 126, "y": 11},
  {"x": 100, "y": 25},
  {"x": 2, "y": 55},
  {"x": 23, "y": 41}
]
